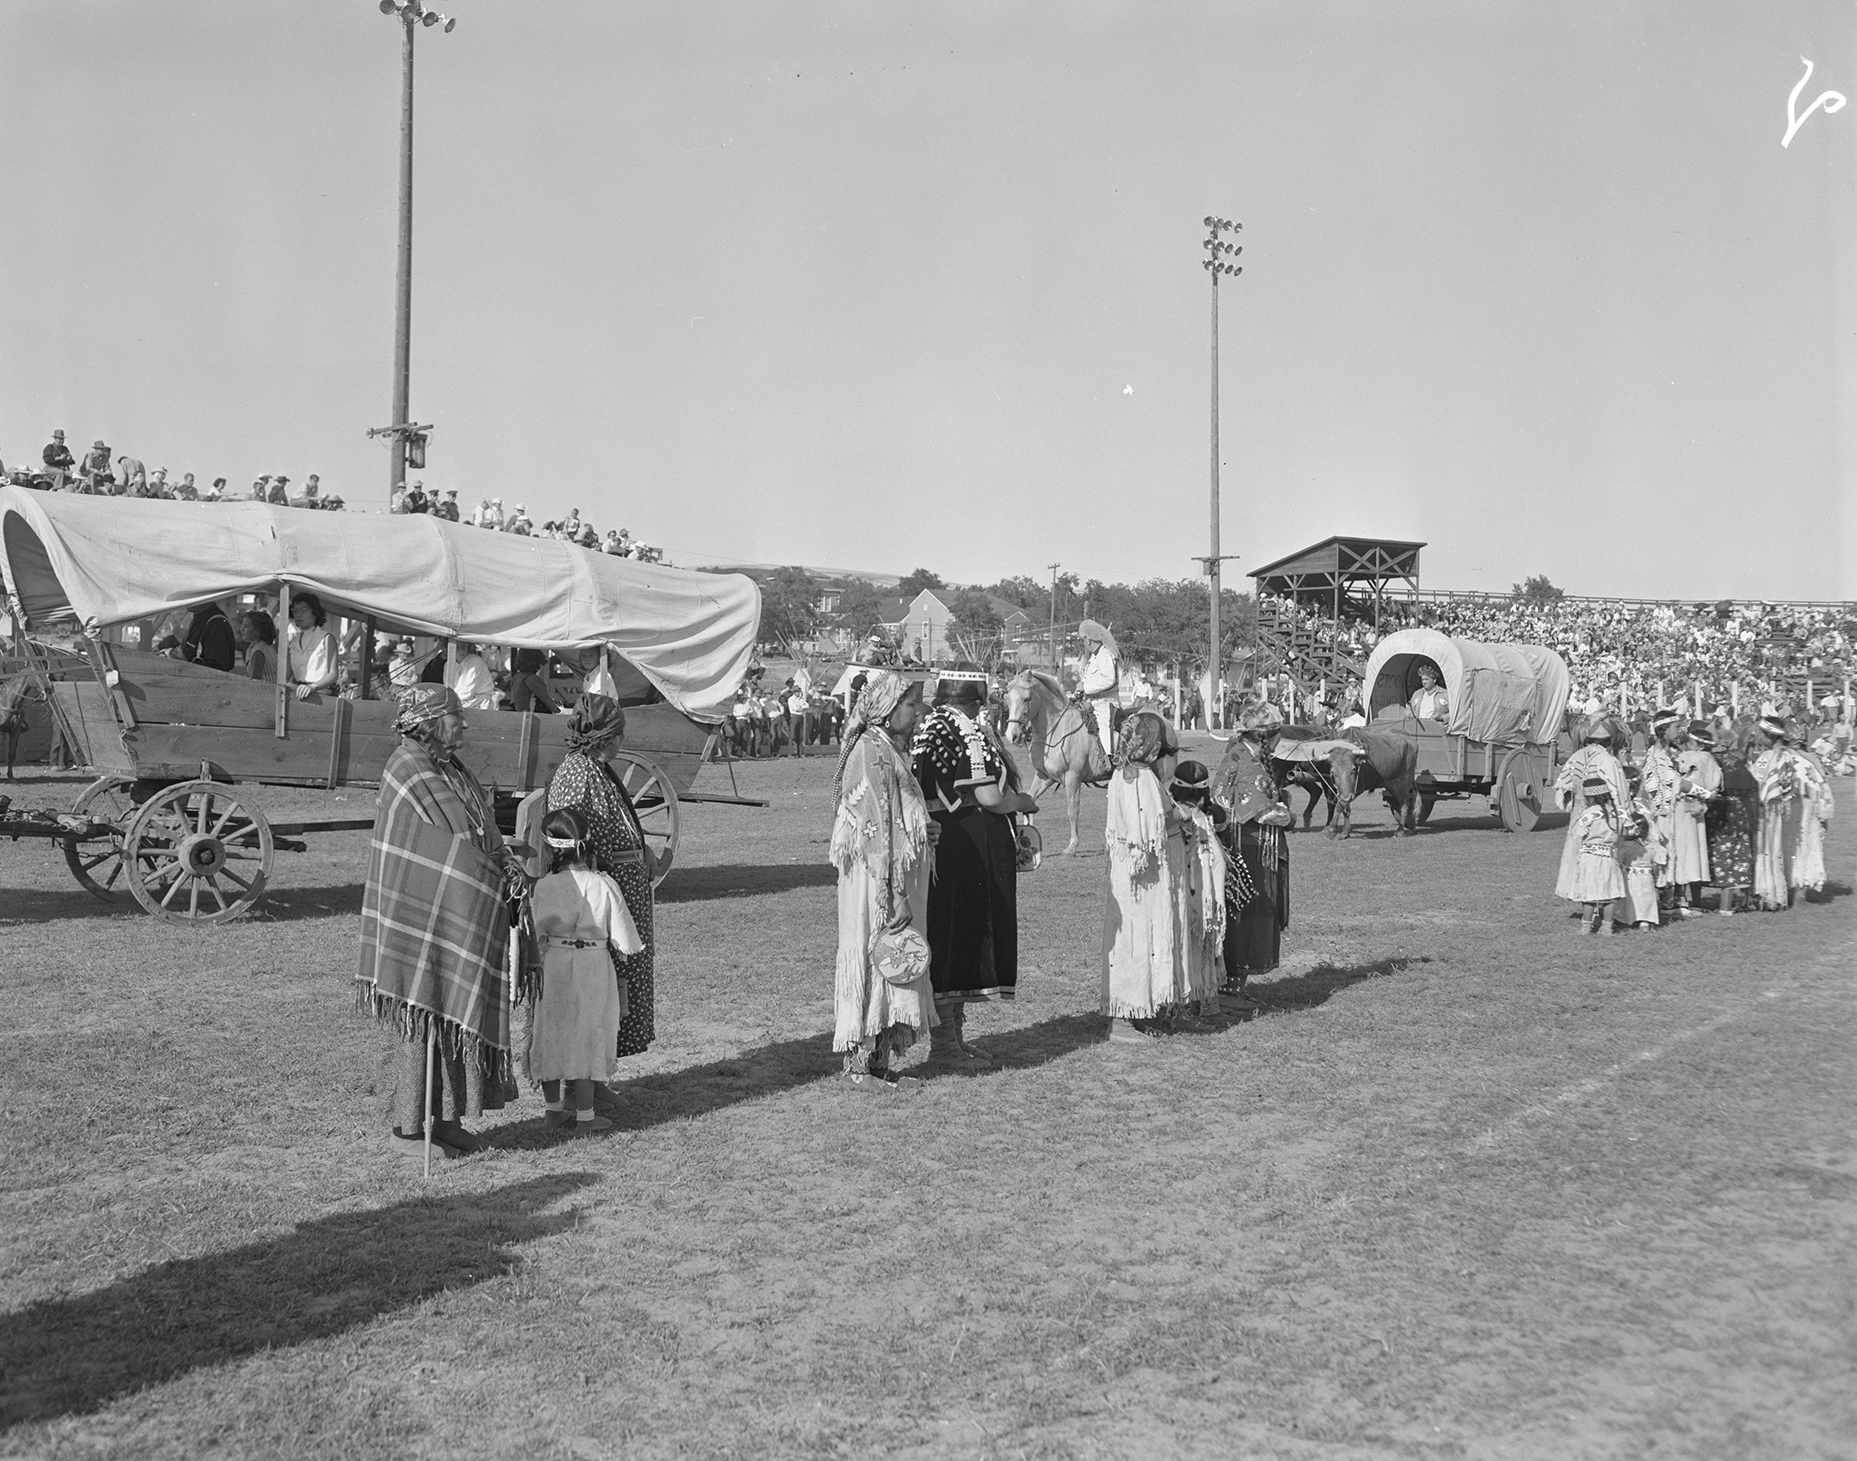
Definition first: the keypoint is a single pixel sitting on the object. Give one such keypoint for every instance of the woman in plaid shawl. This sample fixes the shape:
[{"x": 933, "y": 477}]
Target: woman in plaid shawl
[{"x": 434, "y": 927}]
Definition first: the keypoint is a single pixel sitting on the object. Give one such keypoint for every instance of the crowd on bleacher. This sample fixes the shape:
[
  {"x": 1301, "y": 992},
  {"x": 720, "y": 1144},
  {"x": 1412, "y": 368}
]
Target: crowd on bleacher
[
  {"x": 103, "y": 472},
  {"x": 1766, "y": 650},
  {"x": 489, "y": 513}
]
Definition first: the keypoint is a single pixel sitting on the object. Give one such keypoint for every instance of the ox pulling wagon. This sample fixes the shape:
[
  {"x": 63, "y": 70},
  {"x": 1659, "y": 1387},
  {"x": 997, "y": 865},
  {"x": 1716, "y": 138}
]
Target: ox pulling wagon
[
  {"x": 176, "y": 746},
  {"x": 1499, "y": 736}
]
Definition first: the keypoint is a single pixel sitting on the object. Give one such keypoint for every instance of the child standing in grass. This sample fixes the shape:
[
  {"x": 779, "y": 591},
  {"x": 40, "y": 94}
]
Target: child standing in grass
[
  {"x": 1643, "y": 852},
  {"x": 1596, "y": 880},
  {"x": 580, "y": 918}
]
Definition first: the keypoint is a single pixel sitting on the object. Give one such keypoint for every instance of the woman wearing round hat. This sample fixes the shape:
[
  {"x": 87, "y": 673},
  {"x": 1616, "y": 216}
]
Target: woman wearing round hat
[
  {"x": 1256, "y": 848},
  {"x": 1700, "y": 780},
  {"x": 1733, "y": 818},
  {"x": 585, "y": 781},
  {"x": 971, "y": 786},
  {"x": 1594, "y": 758},
  {"x": 883, "y": 848},
  {"x": 1782, "y": 792},
  {"x": 1658, "y": 793},
  {"x": 433, "y": 928}
]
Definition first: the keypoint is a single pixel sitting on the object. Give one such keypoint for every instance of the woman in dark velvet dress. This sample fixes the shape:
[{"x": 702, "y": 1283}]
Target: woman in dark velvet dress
[
  {"x": 1732, "y": 819},
  {"x": 971, "y": 787},
  {"x": 1258, "y": 907}
]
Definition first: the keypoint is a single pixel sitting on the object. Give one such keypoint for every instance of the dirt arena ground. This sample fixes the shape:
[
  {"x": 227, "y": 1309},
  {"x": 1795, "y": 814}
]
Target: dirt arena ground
[{"x": 1470, "y": 1185}]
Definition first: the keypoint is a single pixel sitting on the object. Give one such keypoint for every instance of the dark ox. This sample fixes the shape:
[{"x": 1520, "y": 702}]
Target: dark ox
[{"x": 1385, "y": 761}]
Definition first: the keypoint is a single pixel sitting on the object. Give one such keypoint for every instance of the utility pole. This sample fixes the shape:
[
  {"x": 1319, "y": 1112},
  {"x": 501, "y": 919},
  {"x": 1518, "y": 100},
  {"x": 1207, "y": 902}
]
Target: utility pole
[
  {"x": 1054, "y": 568},
  {"x": 411, "y": 14},
  {"x": 1218, "y": 251}
]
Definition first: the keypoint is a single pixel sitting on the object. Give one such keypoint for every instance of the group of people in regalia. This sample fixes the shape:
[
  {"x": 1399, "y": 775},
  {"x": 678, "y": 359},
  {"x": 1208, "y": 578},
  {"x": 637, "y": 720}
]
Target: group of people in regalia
[
  {"x": 929, "y": 839},
  {"x": 444, "y": 890},
  {"x": 1747, "y": 817}
]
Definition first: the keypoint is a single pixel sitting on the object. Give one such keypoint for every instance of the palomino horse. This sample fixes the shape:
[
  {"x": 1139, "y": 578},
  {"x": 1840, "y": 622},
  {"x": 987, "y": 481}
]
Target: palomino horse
[
  {"x": 1064, "y": 752},
  {"x": 15, "y": 695}
]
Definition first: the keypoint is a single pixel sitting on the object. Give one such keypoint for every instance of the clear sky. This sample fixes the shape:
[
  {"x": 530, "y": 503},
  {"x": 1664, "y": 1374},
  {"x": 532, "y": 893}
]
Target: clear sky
[{"x": 876, "y": 285}]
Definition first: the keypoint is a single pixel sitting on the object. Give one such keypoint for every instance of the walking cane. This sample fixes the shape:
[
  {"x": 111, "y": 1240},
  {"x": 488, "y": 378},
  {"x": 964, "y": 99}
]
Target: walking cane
[{"x": 431, "y": 1043}]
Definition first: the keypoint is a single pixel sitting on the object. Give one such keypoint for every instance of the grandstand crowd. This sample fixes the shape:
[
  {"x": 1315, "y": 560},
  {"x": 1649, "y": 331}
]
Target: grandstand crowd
[{"x": 1625, "y": 654}]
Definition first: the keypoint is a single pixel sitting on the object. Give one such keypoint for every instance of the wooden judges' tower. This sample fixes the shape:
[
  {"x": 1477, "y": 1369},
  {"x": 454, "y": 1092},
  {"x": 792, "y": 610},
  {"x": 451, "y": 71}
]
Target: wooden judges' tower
[{"x": 1304, "y": 600}]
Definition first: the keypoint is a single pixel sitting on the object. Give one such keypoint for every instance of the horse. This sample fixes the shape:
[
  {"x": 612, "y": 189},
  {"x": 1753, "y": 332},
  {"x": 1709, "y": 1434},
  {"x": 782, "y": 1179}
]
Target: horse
[
  {"x": 16, "y": 694},
  {"x": 1064, "y": 752},
  {"x": 1387, "y": 760}
]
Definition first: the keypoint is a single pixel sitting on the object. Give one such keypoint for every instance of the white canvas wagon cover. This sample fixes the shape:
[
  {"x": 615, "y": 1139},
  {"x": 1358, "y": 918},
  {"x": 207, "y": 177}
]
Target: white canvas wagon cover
[
  {"x": 1503, "y": 693},
  {"x": 110, "y": 560}
]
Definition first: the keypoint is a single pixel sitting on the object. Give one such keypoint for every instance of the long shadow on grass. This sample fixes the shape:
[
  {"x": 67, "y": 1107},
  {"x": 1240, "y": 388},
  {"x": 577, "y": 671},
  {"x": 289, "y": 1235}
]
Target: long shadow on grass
[
  {"x": 73, "y": 1356},
  {"x": 743, "y": 880},
  {"x": 1321, "y": 984},
  {"x": 787, "y": 1065},
  {"x": 279, "y": 905}
]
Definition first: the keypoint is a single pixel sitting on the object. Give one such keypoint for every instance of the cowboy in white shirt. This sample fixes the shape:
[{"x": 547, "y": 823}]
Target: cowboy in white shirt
[
  {"x": 1101, "y": 678},
  {"x": 1429, "y": 702},
  {"x": 471, "y": 680}
]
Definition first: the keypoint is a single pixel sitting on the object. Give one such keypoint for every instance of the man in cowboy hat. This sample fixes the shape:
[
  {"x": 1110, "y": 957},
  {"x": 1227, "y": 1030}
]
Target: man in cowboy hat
[
  {"x": 58, "y": 460},
  {"x": 1102, "y": 678},
  {"x": 98, "y": 478}
]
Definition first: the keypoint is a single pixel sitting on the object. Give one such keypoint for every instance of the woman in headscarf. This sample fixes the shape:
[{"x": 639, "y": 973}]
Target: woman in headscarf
[
  {"x": 1594, "y": 758},
  {"x": 585, "y": 781},
  {"x": 1733, "y": 819},
  {"x": 434, "y": 927},
  {"x": 882, "y": 846},
  {"x": 1258, "y": 900},
  {"x": 971, "y": 786},
  {"x": 1142, "y": 973}
]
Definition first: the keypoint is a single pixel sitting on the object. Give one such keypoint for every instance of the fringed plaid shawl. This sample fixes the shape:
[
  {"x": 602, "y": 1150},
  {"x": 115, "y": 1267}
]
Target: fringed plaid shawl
[{"x": 433, "y": 923}]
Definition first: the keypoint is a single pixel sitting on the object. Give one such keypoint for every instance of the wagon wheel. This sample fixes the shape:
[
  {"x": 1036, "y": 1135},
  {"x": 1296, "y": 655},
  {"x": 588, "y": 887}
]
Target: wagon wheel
[
  {"x": 98, "y": 864},
  {"x": 655, "y": 801},
  {"x": 197, "y": 853},
  {"x": 1518, "y": 797}
]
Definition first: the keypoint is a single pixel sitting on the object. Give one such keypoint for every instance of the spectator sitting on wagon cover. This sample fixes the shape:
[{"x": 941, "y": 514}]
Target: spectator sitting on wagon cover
[{"x": 58, "y": 460}]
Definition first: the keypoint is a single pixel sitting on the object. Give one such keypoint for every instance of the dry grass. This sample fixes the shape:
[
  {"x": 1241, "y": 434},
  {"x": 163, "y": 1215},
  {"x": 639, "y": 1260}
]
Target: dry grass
[{"x": 1470, "y": 1186}]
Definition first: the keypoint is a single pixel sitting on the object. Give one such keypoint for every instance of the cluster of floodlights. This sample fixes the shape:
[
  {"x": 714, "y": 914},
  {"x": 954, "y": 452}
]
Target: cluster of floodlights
[
  {"x": 1216, "y": 247},
  {"x": 411, "y": 10}
]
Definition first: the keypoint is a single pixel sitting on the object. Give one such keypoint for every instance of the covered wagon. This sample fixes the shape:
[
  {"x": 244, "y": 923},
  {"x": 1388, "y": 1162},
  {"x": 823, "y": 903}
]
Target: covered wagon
[
  {"x": 175, "y": 745},
  {"x": 1498, "y": 737}
]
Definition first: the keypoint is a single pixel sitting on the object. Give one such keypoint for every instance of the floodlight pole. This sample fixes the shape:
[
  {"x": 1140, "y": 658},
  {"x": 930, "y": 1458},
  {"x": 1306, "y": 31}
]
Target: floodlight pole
[
  {"x": 411, "y": 14},
  {"x": 1217, "y": 249},
  {"x": 403, "y": 269}
]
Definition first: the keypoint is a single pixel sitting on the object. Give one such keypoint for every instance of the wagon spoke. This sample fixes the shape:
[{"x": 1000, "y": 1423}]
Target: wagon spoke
[
  {"x": 247, "y": 829},
  {"x": 173, "y": 888},
  {"x": 212, "y": 886},
  {"x": 231, "y": 811},
  {"x": 206, "y": 811},
  {"x": 100, "y": 858},
  {"x": 226, "y": 872},
  {"x": 193, "y": 899},
  {"x": 245, "y": 854},
  {"x": 115, "y": 873}
]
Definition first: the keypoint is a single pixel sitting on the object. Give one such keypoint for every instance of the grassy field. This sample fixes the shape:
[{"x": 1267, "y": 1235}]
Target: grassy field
[{"x": 1469, "y": 1185}]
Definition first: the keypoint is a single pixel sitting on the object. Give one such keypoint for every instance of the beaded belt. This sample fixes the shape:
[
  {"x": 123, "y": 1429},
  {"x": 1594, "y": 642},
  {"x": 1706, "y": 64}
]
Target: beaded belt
[{"x": 575, "y": 943}]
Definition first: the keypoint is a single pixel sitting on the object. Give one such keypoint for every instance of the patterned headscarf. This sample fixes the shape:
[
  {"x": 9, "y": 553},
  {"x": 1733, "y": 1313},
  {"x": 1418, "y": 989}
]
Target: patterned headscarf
[
  {"x": 1143, "y": 739},
  {"x": 883, "y": 691},
  {"x": 596, "y": 721},
  {"x": 420, "y": 705}
]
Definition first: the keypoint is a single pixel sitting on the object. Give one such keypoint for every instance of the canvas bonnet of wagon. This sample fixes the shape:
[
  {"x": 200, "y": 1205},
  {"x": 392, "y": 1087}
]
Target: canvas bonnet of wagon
[{"x": 170, "y": 816}]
